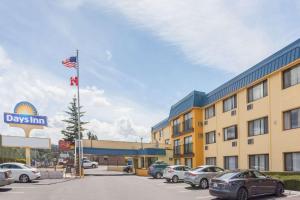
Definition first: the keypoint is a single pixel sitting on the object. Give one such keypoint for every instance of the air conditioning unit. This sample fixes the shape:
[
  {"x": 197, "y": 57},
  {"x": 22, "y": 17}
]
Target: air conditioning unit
[
  {"x": 251, "y": 141},
  {"x": 206, "y": 147},
  {"x": 233, "y": 112},
  {"x": 205, "y": 122},
  {"x": 234, "y": 144},
  {"x": 249, "y": 106}
]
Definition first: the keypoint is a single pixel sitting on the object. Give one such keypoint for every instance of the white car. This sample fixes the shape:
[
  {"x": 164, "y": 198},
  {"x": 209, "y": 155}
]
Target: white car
[
  {"x": 21, "y": 172},
  {"x": 89, "y": 164},
  {"x": 175, "y": 173},
  {"x": 5, "y": 177}
]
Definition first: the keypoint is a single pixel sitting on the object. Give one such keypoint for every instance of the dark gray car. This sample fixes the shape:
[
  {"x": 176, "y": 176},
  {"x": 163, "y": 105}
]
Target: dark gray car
[{"x": 244, "y": 184}]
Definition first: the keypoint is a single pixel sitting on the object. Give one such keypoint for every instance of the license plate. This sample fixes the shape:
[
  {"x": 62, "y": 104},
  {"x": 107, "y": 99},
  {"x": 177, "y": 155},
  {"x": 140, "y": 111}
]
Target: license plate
[{"x": 215, "y": 185}]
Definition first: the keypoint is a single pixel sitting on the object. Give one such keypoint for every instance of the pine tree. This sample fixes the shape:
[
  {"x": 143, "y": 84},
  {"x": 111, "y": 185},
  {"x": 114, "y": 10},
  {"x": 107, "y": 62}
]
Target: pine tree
[{"x": 71, "y": 131}]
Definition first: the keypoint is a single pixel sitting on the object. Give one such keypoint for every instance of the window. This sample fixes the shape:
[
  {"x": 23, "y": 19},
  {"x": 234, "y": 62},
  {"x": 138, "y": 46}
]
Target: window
[
  {"x": 230, "y": 133},
  {"x": 258, "y": 126},
  {"x": 160, "y": 134},
  {"x": 187, "y": 124},
  {"x": 211, "y": 161},
  {"x": 258, "y": 91},
  {"x": 292, "y": 162},
  {"x": 229, "y": 103},
  {"x": 167, "y": 141},
  {"x": 231, "y": 162},
  {"x": 291, "y": 119},
  {"x": 188, "y": 162},
  {"x": 176, "y": 147},
  {"x": 188, "y": 145},
  {"x": 176, "y": 127},
  {"x": 291, "y": 77},
  {"x": 210, "y": 137},
  {"x": 210, "y": 112},
  {"x": 259, "y": 162}
]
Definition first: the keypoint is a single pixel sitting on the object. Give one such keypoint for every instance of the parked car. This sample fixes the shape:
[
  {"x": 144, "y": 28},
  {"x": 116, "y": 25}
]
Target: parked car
[
  {"x": 128, "y": 168},
  {"x": 21, "y": 172},
  {"x": 157, "y": 170},
  {"x": 201, "y": 175},
  {"x": 6, "y": 177},
  {"x": 175, "y": 173},
  {"x": 89, "y": 164},
  {"x": 243, "y": 184}
]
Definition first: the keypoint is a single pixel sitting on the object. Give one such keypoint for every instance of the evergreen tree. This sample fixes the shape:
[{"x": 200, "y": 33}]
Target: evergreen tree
[{"x": 71, "y": 131}]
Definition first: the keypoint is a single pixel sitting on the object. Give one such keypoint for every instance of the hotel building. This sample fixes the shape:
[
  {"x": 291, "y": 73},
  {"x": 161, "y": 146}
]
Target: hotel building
[{"x": 251, "y": 121}]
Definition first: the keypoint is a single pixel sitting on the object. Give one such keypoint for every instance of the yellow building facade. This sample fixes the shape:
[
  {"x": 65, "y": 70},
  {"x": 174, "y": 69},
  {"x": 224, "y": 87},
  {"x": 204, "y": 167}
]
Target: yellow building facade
[{"x": 251, "y": 121}]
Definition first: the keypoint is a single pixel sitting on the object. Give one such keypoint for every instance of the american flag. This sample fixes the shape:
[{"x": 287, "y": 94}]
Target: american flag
[{"x": 70, "y": 62}]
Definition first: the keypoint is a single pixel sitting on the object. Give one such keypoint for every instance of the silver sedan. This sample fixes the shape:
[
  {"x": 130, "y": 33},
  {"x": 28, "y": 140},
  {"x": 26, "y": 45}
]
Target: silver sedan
[{"x": 201, "y": 175}]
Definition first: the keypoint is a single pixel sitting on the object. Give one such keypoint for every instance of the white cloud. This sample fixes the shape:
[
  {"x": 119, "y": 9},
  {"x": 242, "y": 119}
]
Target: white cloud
[
  {"x": 212, "y": 33},
  {"x": 4, "y": 59},
  {"x": 109, "y": 117},
  {"x": 108, "y": 55}
]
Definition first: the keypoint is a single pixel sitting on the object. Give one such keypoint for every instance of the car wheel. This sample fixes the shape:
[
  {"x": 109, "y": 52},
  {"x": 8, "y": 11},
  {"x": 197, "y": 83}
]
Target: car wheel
[
  {"x": 175, "y": 179},
  {"x": 158, "y": 175},
  {"x": 279, "y": 190},
  {"x": 24, "y": 178},
  {"x": 242, "y": 194},
  {"x": 93, "y": 166},
  {"x": 203, "y": 183}
]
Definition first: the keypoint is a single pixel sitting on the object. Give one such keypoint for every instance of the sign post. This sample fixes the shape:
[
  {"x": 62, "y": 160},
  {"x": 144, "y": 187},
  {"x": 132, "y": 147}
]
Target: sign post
[{"x": 26, "y": 117}]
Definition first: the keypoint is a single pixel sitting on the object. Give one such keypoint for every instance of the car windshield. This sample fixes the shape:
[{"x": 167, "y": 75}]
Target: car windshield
[{"x": 226, "y": 175}]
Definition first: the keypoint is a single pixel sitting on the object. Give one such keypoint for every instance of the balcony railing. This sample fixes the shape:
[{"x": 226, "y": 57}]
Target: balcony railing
[
  {"x": 188, "y": 148},
  {"x": 176, "y": 130},
  {"x": 188, "y": 125},
  {"x": 177, "y": 150}
]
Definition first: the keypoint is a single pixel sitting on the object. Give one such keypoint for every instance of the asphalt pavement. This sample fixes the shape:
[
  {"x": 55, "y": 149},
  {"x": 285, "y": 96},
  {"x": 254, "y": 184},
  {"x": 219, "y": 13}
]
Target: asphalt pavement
[{"x": 111, "y": 188}]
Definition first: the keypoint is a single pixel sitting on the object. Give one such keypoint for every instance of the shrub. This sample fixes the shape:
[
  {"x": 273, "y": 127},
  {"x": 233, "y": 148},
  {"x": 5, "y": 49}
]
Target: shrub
[{"x": 291, "y": 180}]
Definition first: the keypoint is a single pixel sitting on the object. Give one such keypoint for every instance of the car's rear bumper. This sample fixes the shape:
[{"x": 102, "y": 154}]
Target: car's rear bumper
[
  {"x": 6, "y": 182},
  {"x": 222, "y": 194}
]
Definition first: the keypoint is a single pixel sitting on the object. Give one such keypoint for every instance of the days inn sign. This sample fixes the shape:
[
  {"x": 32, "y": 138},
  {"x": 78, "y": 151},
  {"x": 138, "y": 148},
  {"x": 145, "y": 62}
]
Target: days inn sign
[{"x": 25, "y": 113}]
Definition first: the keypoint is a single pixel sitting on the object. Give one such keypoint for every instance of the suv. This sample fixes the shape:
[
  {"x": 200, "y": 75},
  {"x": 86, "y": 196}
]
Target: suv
[{"x": 156, "y": 170}]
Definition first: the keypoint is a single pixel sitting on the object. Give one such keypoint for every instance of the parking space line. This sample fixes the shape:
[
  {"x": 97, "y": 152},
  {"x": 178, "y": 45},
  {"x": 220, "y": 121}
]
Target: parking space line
[
  {"x": 17, "y": 187},
  {"x": 293, "y": 195},
  {"x": 14, "y": 192},
  {"x": 203, "y": 197},
  {"x": 183, "y": 191},
  {"x": 175, "y": 186}
]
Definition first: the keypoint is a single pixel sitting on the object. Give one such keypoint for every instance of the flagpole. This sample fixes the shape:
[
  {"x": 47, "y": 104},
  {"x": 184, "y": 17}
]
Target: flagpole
[{"x": 78, "y": 104}]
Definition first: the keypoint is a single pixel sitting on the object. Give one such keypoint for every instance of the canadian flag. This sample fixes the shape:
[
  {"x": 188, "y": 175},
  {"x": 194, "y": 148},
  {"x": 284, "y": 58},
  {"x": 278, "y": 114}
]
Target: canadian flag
[{"x": 74, "y": 81}]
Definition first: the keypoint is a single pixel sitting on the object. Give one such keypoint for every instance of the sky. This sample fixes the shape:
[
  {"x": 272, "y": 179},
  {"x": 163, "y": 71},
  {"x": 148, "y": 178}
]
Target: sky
[{"x": 137, "y": 58}]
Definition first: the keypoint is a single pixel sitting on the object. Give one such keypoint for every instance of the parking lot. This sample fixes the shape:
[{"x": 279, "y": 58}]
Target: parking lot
[{"x": 110, "y": 187}]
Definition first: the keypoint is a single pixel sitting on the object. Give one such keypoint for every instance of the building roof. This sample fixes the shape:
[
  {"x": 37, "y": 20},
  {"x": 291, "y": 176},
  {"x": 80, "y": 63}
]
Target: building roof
[
  {"x": 193, "y": 99},
  {"x": 272, "y": 63},
  {"x": 267, "y": 66},
  {"x": 162, "y": 124}
]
